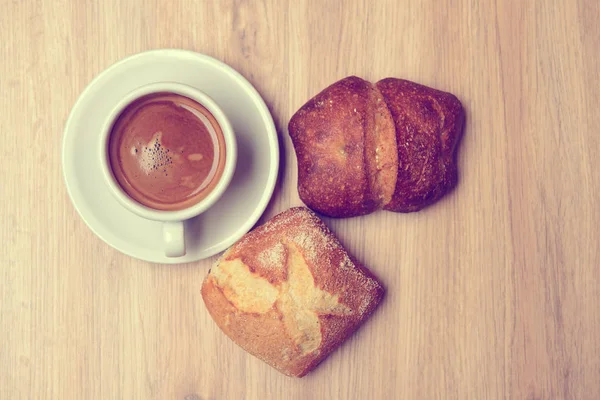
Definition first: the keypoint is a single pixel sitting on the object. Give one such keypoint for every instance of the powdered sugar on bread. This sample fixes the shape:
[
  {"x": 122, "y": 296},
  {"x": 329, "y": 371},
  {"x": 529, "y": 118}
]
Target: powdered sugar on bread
[{"x": 322, "y": 295}]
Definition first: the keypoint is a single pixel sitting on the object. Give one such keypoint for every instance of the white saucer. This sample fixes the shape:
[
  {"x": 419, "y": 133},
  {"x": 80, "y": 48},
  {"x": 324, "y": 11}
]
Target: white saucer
[{"x": 246, "y": 197}]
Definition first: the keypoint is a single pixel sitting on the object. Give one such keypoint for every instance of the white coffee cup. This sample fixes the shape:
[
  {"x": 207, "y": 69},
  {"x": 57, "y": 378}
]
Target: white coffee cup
[{"x": 173, "y": 221}]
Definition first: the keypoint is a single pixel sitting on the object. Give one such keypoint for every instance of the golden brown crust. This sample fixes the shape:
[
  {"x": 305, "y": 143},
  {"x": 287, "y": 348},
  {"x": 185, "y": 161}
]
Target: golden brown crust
[
  {"x": 380, "y": 140},
  {"x": 428, "y": 127},
  {"x": 361, "y": 147},
  {"x": 328, "y": 133},
  {"x": 289, "y": 293}
]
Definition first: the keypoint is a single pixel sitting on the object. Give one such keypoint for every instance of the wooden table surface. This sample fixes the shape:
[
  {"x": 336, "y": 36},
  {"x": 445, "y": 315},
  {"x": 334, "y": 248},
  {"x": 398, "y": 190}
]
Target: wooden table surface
[{"x": 492, "y": 293}]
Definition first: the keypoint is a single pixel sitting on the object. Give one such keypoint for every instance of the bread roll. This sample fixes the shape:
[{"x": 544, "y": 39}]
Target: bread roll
[
  {"x": 361, "y": 147},
  {"x": 344, "y": 137},
  {"x": 428, "y": 127},
  {"x": 289, "y": 293}
]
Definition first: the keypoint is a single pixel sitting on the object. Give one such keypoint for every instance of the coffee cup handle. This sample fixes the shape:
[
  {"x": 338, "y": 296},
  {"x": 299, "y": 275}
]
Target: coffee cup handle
[{"x": 174, "y": 238}]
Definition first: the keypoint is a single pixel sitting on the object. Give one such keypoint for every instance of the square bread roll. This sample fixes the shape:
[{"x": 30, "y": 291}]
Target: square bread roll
[{"x": 289, "y": 293}]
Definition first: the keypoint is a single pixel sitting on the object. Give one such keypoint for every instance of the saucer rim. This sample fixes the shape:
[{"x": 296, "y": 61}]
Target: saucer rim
[{"x": 269, "y": 124}]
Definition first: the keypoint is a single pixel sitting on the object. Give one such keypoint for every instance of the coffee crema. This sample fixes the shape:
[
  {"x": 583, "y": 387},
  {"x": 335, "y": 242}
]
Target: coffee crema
[{"x": 166, "y": 151}]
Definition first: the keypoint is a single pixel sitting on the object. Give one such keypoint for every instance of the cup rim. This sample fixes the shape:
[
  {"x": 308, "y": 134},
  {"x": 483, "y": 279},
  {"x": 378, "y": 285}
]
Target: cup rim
[{"x": 230, "y": 152}]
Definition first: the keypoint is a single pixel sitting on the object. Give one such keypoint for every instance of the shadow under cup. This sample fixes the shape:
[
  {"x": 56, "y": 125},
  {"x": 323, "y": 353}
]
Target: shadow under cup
[{"x": 166, "y": 151}]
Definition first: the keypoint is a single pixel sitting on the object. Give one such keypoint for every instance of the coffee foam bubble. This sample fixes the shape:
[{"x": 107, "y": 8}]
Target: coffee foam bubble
[{"x": 153, "y": 157}]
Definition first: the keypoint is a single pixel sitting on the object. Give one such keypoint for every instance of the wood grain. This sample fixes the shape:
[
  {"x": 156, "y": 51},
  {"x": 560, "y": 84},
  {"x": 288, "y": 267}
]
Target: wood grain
[{"x": 492, "y": 293}]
